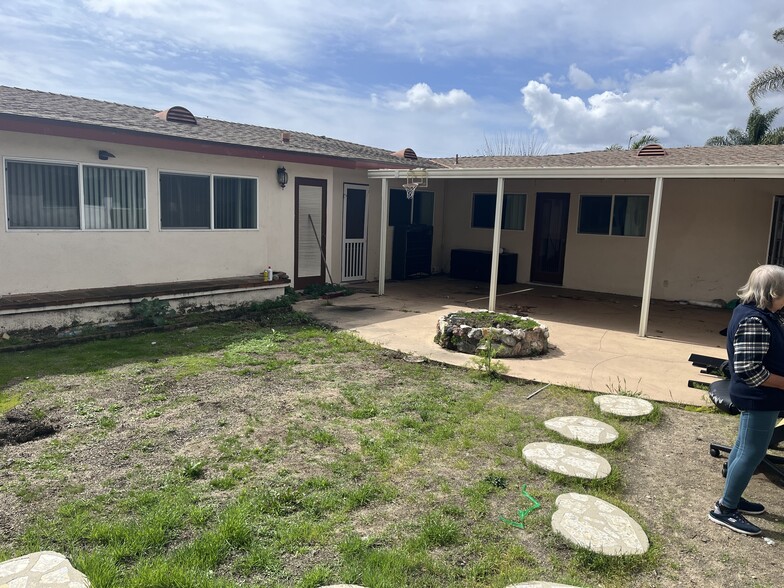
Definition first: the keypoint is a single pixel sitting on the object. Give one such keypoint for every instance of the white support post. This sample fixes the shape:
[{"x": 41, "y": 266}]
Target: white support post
[
  {"x": 499, "y": 208},
  {"x": 654, "y": 233},
  {"x": 382, "y": 255}
]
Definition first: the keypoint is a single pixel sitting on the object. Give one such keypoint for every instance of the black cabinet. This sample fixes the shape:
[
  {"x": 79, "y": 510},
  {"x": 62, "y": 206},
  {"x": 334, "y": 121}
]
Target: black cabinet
[
  {"x": 412, "y": 251},
  {"x": 474, "y": 264}
]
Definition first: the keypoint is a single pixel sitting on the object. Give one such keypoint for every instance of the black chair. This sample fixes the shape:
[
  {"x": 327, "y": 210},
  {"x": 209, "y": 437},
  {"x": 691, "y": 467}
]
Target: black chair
[{"x": 719, "y": 393}]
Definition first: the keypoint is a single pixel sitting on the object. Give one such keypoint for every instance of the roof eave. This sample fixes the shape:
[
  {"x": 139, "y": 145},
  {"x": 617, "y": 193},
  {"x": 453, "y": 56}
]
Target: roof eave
[{"x": 619, "y": 172}]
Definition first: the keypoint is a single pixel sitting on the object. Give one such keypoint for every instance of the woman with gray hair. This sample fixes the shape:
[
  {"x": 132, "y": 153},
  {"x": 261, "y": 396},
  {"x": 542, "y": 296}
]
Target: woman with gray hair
[{"x": 755, "y": 347}]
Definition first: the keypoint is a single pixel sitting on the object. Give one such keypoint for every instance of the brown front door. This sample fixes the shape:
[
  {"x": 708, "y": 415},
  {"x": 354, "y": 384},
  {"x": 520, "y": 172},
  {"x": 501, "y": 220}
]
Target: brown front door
[
  {"x": 310, "y": 231},
  {"x": 549, "y": 246}
]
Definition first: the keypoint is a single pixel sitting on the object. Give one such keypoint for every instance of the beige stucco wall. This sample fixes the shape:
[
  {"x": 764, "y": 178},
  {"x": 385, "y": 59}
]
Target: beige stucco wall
[
  {"x": 711, "y": 234},
  {"x": 52, "y": 260}
]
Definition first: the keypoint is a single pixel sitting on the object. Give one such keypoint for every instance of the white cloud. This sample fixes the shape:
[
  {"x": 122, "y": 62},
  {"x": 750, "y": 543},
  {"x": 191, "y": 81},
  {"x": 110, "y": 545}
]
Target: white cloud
[
  {"x": 690, "y": 100},
  {"x": 580, "y": 79},
  {"x": 421, "y": 97}
]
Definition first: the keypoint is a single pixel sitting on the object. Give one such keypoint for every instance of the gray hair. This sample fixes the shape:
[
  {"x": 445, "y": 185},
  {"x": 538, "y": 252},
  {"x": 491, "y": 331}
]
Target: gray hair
[{"x": 765, "y": 283}]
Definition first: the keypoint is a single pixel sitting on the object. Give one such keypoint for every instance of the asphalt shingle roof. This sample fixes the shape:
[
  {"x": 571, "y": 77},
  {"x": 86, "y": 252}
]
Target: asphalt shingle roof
[
  {"x": 740, "y": 155},
  {"x": 45, "y": 106},
  {"x": 38, "y": 105}
]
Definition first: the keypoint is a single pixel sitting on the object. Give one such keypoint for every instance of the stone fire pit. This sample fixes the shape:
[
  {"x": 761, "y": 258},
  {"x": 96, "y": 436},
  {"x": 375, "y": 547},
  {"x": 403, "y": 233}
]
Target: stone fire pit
[{"x": 508, "y": 334}]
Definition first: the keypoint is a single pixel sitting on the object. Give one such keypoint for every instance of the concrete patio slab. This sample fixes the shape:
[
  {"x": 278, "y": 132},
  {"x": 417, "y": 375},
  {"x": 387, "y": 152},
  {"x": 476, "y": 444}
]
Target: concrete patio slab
[{"x": 596, "y": 345}]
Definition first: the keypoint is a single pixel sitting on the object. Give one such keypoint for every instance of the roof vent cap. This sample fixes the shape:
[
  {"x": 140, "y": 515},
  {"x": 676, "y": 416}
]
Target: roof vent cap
[
  {"x": 177, "y": 114},
  {"x": 285, "y": 136},
  {"x": 651, "y": 150},
  {"x": 406, "y": 153}
]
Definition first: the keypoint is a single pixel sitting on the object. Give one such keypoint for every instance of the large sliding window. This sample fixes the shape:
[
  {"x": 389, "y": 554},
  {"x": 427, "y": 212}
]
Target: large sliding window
[
  {"x": 191, "y": 201},
  {"x": 44, "y": 195},
  {"x": 613, "y": 215},
  {"x": 512, "y": 215}
]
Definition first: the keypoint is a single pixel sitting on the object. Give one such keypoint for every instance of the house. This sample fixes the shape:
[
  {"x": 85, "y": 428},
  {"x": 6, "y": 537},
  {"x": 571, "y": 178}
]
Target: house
[
  {"x": 100, "y": 197},
  {"x": 684, "y": 224},
  {"x": 105, "y": 204}
]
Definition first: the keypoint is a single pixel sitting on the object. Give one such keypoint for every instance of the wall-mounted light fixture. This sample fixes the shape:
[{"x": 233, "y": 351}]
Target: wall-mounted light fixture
[
  {"x": 283, "y": 177},
  {"x": 104, "y": 155}
]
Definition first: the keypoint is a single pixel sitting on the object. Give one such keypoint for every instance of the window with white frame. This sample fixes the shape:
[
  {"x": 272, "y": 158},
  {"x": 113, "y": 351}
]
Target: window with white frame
[
  {"x": 512, "y": 215},
  {"x": 619, "y": 215},
  {"x": 190, "y": 201},
  {"x": 42, "y": 195}
]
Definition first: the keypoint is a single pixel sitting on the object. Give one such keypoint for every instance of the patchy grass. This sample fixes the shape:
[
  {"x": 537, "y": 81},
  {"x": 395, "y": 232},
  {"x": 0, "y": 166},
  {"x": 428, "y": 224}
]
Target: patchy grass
[{"x": 238, "y": 455}]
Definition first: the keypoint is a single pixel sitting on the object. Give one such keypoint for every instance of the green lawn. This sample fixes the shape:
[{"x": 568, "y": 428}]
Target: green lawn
[{"x": 289, "y": 455}]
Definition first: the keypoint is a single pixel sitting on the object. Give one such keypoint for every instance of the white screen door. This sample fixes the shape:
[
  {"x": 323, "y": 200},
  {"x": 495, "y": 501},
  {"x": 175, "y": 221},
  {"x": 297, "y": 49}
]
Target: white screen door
[{"x": 354, "y": 232}]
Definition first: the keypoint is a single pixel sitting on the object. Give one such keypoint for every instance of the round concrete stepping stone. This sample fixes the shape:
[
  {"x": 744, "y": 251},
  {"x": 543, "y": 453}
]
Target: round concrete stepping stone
[
  {"x": 540, "y": 585},
  {"x": 567, "y": 460},
  {"x": 583, "y": 429},
  {"x": 597, "y": 525},
  {"x": 42, "y": 568},
  {"x": 627, "y": 406}
]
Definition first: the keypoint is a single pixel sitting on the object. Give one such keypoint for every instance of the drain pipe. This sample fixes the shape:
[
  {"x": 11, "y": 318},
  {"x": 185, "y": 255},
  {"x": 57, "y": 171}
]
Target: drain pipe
[
  {"x": 645, "y": 307},
  {"x": 499, "y": 207}
]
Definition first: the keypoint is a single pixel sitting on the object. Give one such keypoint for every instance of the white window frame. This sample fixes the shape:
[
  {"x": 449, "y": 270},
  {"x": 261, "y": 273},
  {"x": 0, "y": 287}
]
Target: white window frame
[
  {"x": 211, "y": 176},
  {"x": 79, "y": 165},
  {"x": 609, "y": 232}
]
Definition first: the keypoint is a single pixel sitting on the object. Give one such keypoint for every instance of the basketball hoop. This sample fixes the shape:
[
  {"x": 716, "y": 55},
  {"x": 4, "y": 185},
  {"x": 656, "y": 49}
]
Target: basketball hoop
[
  {"x": 410, "y": 188},
  {"x": 415, "y": 178}
]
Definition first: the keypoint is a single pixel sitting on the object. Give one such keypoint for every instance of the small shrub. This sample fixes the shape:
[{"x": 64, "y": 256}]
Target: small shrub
[
  {"x": 485, "y": 359},
  {"x": 152, "y": 312}
]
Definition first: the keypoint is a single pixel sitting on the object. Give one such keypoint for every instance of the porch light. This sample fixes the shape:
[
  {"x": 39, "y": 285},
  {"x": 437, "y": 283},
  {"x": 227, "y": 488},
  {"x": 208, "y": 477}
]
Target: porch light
[
  {"x": 283, "y": 177},
  {"x": 104, "y": 155}
]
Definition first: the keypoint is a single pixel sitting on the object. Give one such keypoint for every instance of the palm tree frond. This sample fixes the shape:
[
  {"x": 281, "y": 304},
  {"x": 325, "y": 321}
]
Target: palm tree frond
[
  {"x": 770, "y": 80},
  {"x": 774, "y": 137},
  {"x": 643, "y": 141}
]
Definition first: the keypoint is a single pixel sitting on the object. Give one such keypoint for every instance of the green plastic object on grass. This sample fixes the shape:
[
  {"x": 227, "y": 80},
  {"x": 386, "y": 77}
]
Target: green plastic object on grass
[{"x": 523, "y": 513}]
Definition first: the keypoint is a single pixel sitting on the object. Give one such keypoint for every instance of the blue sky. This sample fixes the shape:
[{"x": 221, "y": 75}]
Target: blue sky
[{"x": 441, "y": 77}]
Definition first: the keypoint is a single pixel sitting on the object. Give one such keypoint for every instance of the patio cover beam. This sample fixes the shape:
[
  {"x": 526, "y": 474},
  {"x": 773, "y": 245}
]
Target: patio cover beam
[
  {"x": 649, "y": 261},
  {"x": 499, "y": 207},
  {"x": 382, "y": 255}
]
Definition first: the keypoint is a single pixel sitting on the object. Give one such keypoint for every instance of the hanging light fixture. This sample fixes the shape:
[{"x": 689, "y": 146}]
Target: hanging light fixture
[{"x": 283, "y": 177}]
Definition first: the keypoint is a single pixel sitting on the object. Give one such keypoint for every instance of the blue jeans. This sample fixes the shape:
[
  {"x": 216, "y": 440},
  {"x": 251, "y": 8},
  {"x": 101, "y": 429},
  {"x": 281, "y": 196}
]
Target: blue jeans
[{"x": 754, "y": 435}]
